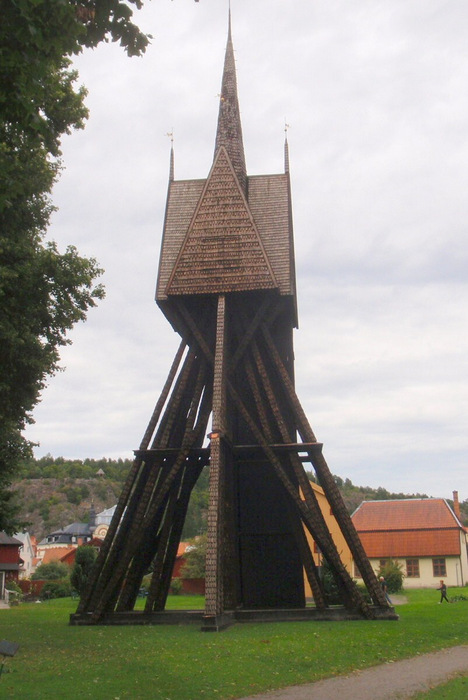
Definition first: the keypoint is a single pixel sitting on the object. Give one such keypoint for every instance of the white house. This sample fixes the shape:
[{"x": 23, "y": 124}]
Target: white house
[{"x": 423, "y": 534}]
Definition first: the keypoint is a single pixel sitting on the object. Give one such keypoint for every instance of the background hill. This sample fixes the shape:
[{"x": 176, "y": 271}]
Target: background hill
[{"x": 54, "y": 492}]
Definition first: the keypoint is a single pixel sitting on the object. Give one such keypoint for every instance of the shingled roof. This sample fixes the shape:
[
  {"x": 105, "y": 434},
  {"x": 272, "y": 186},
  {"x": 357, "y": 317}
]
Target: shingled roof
[
  {"x": 228, "y": 232},
  {"x": 408, "y": 528}
]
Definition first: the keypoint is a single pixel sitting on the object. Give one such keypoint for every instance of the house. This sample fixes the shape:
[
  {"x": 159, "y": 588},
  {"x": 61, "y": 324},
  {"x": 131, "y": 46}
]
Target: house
[
  {"x": 424, "y": 535},
  {"x": 180, "y": 561},
  {"x": 335, "y": 532},
  {"x": 76, "y": 534},
  {"x": 70, "y": 556},
  {"x": 10, "y": 561},
  {"x": 70, "y": 536},
  {"x": 55, "y": 554},
  {"x": 27, "y": 553},
  {"x": 103, "y": 520}
]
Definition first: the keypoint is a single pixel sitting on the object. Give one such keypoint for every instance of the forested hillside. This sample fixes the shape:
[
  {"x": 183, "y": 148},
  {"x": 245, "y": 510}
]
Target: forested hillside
[{"x": 53, "y": 493}]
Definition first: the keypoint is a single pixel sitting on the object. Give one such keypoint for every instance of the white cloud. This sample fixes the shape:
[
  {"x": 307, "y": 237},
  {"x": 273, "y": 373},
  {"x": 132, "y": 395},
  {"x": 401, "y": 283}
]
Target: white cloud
[{"x": 375, "y": 94}]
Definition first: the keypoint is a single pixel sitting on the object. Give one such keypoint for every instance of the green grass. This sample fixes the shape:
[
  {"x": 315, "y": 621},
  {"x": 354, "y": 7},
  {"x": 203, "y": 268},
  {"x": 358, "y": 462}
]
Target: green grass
[
  {"x": 182, "y": 663},
  {"x": 456, "y": 689}
]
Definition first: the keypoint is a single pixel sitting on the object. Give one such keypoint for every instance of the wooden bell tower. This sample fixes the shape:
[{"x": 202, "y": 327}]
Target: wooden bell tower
[{"x": 226, "y": 283}]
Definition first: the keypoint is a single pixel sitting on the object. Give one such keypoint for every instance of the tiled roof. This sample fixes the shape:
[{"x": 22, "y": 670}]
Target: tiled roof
[
  {"x": 411, "y": 543},
  {"x": 182, "y": 548},
  {"x": 407, "y": 528},
  {"x": 55, "y": 554},
  {"x": 410, "y": 514}
]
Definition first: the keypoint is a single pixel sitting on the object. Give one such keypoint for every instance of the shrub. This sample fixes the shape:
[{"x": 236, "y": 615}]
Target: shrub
[
  {"x": 84, "y": 559},
  {"x": 330, "y": 586},
  {"x": 364, "y": 592},
  {"x": 146, "y": 583},
  {"x": 195, "y": 555},
  {"x": 56, "y": 589},
  {"x": 15, "y": 591},
  {"x": 76, "y": 494},
  {"x": 392, "y": 572},
  {"x": 53, "y": 571},
  {"x": 176, "y": 586}
]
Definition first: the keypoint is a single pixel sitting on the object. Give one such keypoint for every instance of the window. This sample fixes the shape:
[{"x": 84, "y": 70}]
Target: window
[
  {"x": 412, "y": 568},
  {"x": 382, "y": 563},
  {"x": 438, "y": 567},
  {"x": 357, "y": 573}
]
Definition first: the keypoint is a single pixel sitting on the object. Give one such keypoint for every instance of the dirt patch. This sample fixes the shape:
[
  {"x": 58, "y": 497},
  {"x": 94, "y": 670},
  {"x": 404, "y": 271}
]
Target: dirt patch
[
  {"x": 390, "y": 681},
  {"x": 398, "y": 599}
]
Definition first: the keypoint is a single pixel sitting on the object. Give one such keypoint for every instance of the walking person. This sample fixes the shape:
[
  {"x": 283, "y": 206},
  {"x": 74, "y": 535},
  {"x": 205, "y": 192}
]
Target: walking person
[
  {"x": 383, "y": 583},
  {"x": 443, "y": 592}
]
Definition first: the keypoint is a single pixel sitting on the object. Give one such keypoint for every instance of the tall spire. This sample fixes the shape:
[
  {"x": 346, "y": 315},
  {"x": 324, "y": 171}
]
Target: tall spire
[
  {"x": 286, "y": 148},
  {"x": 171, "y": 163},
  {"x": 229, "y": 131}
]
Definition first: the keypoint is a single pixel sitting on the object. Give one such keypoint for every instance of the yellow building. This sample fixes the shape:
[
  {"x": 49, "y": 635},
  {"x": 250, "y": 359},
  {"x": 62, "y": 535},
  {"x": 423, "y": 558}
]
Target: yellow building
[{"x": 337, "y": 536}]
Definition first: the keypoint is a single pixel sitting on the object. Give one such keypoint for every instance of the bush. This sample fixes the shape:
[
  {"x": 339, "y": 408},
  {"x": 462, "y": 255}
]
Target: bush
[
  {"x": 392, "y": 572},
  {"x": 146, "y": 583},
  {"x": 176, "y": 586},
  {"x": 364, "y": 592},
  {"x": 16, "y": 594},
  {"x": 56, "y": 589},
  {"x": 84, "y": 559},
  {"x": 332, "y": 592},
  {"x": 54, "y": 571},
  {"x": 194, "y": 558}
]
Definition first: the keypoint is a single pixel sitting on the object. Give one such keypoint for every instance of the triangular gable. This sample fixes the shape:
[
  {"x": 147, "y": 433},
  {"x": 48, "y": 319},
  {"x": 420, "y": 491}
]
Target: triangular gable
[{"x": 222, "y": 250}]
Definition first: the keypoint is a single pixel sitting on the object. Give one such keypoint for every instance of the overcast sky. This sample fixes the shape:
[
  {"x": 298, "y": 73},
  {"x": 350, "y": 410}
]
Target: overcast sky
[{"x": 375, "y": 93}]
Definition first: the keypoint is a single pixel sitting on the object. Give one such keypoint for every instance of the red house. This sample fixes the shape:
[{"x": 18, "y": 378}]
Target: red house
[{"x": 10, "y": 561}]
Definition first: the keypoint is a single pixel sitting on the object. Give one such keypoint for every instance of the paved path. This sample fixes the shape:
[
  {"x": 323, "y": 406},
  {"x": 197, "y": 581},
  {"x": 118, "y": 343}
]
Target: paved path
[{"x": 391, "y": 681}]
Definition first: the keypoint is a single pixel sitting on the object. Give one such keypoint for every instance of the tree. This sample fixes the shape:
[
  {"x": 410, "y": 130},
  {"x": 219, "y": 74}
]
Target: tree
[
  {"x": 194, "y": 566},
  {"x": 393, "y": 574},
  {"x": 53, "y": 571},
  {"x": 43, "y": 292},
  {"x": 84, "y": 560}
]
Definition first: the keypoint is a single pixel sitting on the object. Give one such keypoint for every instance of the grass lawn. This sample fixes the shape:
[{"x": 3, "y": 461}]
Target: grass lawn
[
  {"x": 456, "y": 689},
  {"x": 182, "y": 663}
]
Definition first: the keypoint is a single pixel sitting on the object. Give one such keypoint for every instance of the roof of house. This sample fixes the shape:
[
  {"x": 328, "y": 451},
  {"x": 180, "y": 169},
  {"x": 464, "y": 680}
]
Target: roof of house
[
  {"x": 8, "y": 566},
  {"x": 182, "y": 548},
  {"x": 56, "y": 554},
  {"x": 6, "y": 539},
  {"x": 408, "y": 514},
  {"x": 408, "y": 528},
  {"x": 65, "y": 535}
]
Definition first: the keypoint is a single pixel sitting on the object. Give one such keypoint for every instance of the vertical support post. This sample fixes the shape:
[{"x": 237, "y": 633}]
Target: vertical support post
[{"x": 214, "y": 589}]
